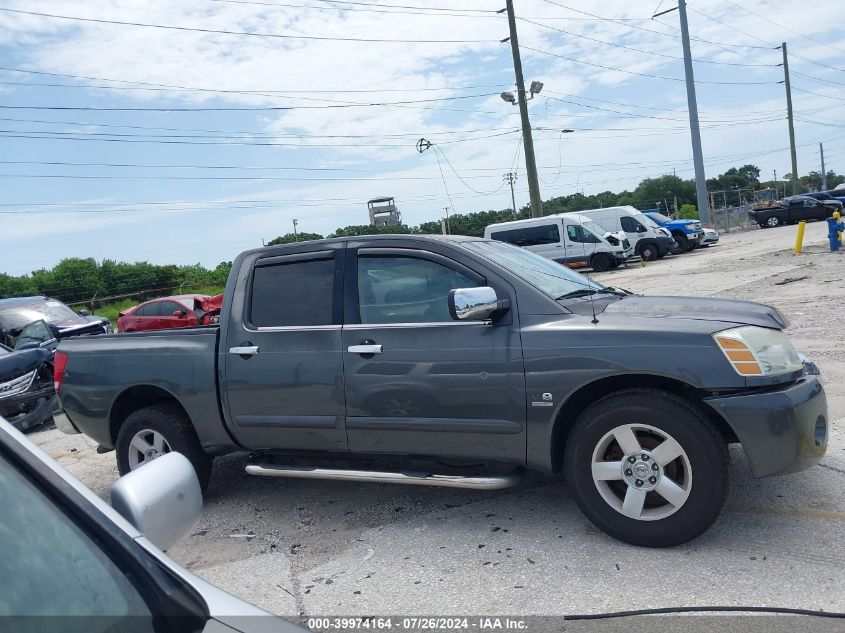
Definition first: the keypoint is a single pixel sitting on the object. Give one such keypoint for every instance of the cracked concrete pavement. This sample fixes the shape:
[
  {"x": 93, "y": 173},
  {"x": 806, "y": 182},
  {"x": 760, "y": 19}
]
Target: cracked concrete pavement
[{"x": 319, "y": 547}]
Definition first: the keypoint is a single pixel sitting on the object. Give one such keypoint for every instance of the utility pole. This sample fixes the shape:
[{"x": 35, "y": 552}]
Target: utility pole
[
  {"x": 824, "y": 172},
  {"x": 448, "y": 229},
  {"x": 510, "y": 178},
  {"x": 789, "y": 118},
  {"x": 295, "y": 236},
  {"x": 695, "y": 132},
  {"x": 530, "y": 161}
]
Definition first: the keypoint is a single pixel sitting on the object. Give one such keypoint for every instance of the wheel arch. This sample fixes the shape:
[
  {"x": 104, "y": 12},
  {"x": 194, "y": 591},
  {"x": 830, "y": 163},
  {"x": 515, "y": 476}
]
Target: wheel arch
[
  {"x": 138, "y": 397},
  {"x": 592, "y": 391}
]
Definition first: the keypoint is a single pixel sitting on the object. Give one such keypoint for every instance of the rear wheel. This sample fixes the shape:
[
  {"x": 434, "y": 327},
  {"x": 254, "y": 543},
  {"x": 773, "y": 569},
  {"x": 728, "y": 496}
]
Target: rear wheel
[
  {"x": 601, "y": 262},
  {"x": 154, "y": 431},
  {"x": 773, "y": 221},
  {"x": 648, "y": 468}
]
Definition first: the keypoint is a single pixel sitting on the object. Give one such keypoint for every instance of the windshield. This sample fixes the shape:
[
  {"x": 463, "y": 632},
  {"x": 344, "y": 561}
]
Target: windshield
[
  {"x": 644, "y": 219},
  {"x": 20, "y": 315},
  {"x": 658, "y": 217},
  {"x": 596, "y": 229},
  {"x": 547, "y": 276}
]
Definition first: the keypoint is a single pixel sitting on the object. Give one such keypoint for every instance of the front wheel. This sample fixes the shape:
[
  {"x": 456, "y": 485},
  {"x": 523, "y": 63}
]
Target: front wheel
[
  {"x": 154, "y": 431},
  {"x": 601, "y": 262},
  {"x": 649, "y": 252},
  {"x": 773, "y": 221},
  {"x": 648, "y": 468},
  {"x": 683, "y": 242}
]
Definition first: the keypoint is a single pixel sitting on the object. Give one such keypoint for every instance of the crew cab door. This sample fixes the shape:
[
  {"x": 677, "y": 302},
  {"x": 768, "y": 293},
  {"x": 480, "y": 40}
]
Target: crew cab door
[
  {"x": 282, "y": 363},
  {"x": 418, "y": 382}
]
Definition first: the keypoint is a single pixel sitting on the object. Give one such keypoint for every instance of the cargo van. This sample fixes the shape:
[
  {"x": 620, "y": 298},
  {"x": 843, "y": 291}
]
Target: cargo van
[
  {"x": 648, "y": 239},
  {"x": 567, "y": 238}
]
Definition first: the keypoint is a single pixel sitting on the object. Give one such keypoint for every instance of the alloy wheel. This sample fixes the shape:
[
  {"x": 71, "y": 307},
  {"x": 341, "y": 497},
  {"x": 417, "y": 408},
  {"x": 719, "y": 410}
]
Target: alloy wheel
[
  {"x": 146, "y": 445},
  {"x": 642, "y": 472}
]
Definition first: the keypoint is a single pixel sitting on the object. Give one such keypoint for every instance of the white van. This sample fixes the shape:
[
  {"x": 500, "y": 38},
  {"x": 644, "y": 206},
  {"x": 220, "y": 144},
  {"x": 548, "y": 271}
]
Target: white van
[
  {"x": 568, "y": 238},
  {"x": 649, "y": 240}
]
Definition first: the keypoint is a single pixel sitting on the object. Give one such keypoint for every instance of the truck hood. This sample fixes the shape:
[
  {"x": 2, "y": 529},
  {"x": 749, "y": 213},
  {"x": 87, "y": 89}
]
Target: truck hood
[{"x": 698, "y": 308}]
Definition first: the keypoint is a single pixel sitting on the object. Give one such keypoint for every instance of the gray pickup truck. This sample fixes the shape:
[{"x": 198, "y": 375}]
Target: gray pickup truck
[{"x": 462, "y": 351}]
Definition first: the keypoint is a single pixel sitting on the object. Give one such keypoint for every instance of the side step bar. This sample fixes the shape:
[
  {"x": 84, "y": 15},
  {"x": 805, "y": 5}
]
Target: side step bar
[{"x": 495, "y": 482}]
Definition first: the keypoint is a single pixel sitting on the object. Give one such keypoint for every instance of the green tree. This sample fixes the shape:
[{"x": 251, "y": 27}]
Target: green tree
[
  {"x": 287, "y": 238},
  {"x": 653, "y": 190},
  {"x": 76, "y": 279},
  {"x": 368, "y": 229},
  {"x": 688, "y": 212}
]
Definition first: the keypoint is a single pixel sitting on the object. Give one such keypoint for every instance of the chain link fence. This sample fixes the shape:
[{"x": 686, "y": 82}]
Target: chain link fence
[{"x": 730, "y": 219}]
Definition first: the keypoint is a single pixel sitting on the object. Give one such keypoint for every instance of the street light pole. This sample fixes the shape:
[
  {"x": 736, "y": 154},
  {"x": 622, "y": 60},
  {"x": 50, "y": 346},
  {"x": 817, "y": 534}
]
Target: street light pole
[
  {"x": 295, "y": 236},
  {"x": 448, "y": 228},
  {"x": 530, "y": 160}
]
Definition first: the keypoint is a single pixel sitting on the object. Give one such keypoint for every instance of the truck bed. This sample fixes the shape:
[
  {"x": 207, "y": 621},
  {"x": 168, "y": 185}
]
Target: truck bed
[{"x": 107, "y": 372}]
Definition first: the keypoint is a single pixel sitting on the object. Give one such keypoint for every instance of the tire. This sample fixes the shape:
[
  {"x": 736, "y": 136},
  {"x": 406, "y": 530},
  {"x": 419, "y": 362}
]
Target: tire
[
  {"x": 773, "y": 221},
  {"x": 170, "y": 423},
  {"x": 649, "y": 252},
  {"x": 698, "y": 478},
  {"x": 683, "y": 242},
  {"x": 600, "y": 262}
]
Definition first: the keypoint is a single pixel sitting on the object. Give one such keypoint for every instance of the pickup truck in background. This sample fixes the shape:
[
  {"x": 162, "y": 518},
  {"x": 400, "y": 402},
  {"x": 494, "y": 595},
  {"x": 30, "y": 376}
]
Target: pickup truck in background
[
  {"x": 791, "y": 210},
  {"x": 688, "y": 234},
  {"x": 467, "y": 351}
]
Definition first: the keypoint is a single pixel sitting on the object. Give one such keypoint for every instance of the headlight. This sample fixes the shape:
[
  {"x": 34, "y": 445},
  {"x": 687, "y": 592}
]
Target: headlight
[
  {"x": 689, "y": 227},
  {"x": 758, "y": 351}
]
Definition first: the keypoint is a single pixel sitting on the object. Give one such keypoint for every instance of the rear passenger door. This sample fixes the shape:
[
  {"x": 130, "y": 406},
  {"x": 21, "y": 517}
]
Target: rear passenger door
[
  {"x": 282, "y": 353},
  {"x": 418, "y": 382}
]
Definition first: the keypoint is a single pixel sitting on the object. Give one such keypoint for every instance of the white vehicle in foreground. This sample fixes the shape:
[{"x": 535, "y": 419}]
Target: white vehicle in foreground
[{"x": 567, "y": 238}]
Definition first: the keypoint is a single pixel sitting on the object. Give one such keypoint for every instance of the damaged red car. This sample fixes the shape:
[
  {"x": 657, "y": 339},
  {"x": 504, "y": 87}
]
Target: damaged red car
[{"x": 166, "y": 313}]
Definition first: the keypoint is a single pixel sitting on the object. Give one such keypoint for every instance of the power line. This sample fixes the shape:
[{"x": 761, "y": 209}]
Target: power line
[
  {"x": 249, "y": 108},
  {"x": 817, "y": 63},
  {"x": 640, "y": 50},
  {"x": 261, "y": 92},
  {"x": 434, "y": 11},
  {"x": 652, "y": 76},
  {"x": 785, "y": 28},
  {"x": 817, "y": 94},
  {"x": 243, "y": 33},
  {"x": 640, "y": 28},
  {"x": 822, "y": 81}
]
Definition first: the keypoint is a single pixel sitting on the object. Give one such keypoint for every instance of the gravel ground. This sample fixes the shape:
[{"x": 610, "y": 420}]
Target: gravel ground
[{"x": 318, "y": 547}]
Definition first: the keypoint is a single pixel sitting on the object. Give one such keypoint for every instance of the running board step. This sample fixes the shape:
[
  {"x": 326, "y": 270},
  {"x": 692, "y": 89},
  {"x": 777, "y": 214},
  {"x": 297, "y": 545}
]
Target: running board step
[{"x": 494, "y": 482}]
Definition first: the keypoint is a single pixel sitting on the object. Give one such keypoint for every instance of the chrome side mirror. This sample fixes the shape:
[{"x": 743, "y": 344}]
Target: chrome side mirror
[
  {"x": 162, "y": 499},
  {"x": 474, "y": 304}
]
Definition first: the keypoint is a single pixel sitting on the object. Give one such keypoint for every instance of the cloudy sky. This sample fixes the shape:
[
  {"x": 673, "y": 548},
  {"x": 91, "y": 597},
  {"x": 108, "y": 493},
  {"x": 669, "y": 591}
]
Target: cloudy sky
[{"x": 196, "y": 128}]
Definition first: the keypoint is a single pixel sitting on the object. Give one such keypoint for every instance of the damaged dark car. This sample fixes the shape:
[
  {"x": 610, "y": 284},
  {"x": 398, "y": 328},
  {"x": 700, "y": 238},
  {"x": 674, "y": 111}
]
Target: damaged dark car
[
  {"x": 17, "y": 313},
  {"x": 27, "y": 396}
]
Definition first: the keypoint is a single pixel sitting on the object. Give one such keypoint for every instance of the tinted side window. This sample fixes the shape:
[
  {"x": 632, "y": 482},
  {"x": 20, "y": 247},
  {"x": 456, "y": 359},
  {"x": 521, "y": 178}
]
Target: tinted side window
[
  {"x": 529, "y": 235},
  {"x": 295, "y": 293},
  {"x": 630, "y": 225},
  {"x": 167, "y": 308},
  {"x": 145, "y": 311},
  {"x": 406, "y": 289},
  {"x": 578, "y": 234}
]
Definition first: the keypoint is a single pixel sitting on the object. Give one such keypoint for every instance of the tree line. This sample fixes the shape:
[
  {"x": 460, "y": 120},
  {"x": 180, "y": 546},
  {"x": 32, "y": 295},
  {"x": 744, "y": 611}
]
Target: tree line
[{"x": 84, "y": 280}]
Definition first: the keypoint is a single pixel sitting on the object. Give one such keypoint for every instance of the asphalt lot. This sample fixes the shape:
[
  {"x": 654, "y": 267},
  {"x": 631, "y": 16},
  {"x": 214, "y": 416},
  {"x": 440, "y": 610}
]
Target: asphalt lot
[{"x": 312, "y": 547}]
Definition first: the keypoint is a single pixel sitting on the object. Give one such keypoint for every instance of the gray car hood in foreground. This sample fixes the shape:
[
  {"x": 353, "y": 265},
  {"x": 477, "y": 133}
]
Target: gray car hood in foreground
[{"x": 698, "y": 308}]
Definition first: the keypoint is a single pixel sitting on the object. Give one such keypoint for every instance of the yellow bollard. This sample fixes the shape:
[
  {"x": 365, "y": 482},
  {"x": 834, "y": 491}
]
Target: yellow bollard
[
  {"x": 836, "y": 216},
  {"x": 799, "y": 238}
]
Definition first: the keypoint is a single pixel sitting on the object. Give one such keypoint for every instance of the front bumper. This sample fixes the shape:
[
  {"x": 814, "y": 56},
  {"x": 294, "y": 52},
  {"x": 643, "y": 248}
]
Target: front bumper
[
  {"x": 625, "y": 254},
  {"x": 782, "y": 431},
  {"x": 665, "y": 244}
]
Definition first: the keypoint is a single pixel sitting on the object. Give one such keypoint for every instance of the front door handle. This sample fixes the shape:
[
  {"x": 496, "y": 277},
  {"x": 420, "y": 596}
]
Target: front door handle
[
  {"x": 245, "y": 350},
  {"x": 365, "y": 349}
]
